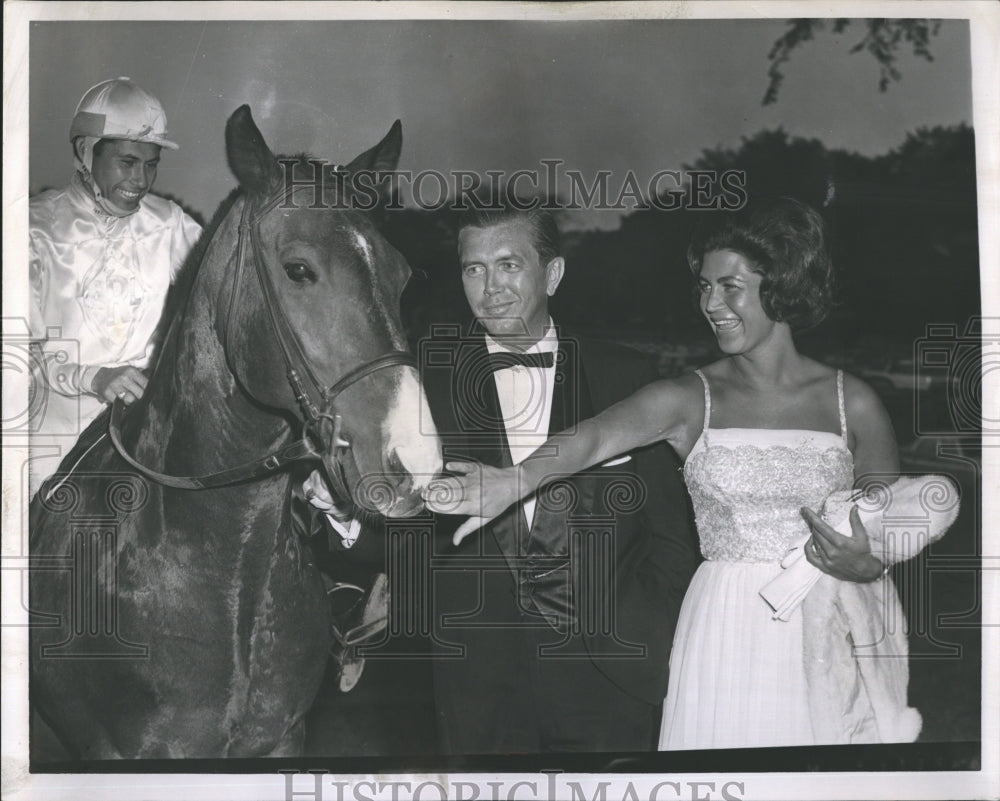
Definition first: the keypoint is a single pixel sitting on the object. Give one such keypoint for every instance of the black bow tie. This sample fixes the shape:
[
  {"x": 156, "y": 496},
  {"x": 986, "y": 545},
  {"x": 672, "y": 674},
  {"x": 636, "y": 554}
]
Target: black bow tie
[{"x": 504, "y": 360}]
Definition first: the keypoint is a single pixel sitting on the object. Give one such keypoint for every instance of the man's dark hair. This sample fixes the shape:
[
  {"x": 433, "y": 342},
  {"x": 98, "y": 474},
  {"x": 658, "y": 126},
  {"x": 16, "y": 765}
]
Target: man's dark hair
[
  {"x": 785, "y": 241},
  {"x": 541, "y": 223}
]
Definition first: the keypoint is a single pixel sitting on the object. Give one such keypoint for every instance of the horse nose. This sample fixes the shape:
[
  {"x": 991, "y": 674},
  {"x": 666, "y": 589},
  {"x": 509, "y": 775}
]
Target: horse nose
[
  {"x": 407, "y": 499},
  {"x": 411, "y": 436},
  {"x": 395, "y": 467}
]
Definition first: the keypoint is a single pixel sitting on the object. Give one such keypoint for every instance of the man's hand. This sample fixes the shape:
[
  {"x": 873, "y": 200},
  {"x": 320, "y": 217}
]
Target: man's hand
[
  {"x": 844, "y": 558},
  {"x": 318, "y": 494},
  {"x": 127, "y": 383}
]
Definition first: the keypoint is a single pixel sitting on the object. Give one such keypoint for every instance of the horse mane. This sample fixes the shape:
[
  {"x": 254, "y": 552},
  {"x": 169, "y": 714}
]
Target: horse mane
[{"x": 180, "y": 289}]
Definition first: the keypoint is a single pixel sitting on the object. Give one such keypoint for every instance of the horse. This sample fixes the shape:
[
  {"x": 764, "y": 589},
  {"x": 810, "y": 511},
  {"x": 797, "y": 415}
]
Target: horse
[{"x": 175, "y": 611}]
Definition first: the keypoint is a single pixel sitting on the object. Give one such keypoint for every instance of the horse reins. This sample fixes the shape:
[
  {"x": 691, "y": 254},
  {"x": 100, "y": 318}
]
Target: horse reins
[{"x": 321, "y": 436}]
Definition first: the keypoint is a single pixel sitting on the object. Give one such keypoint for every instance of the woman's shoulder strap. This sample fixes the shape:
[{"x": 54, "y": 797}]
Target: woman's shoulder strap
[
  {"x": 840, "y": 404},
  {"x": 708, "y": 399}
]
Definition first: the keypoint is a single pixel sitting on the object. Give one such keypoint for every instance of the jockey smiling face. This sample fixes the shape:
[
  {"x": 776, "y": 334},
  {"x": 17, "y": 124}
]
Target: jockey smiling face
[{"x": 124, "y": 171}]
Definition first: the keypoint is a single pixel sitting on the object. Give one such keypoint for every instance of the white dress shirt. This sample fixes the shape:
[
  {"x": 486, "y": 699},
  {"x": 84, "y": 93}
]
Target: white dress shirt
[{"x": 525, "y": 395}]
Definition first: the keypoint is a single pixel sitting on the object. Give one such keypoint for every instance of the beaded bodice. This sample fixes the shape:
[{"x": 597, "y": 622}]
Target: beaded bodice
[{"x": 747, "y": 485}]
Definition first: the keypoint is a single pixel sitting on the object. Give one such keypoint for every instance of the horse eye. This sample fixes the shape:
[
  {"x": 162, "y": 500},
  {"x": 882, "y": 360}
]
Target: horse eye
[{"x": 299, "y": 273}]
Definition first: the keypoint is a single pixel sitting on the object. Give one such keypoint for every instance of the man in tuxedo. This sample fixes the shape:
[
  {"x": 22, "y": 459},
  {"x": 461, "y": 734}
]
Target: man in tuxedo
[
  {"x": 565, "y": 605},
  {"x": 552, "y": 627}
]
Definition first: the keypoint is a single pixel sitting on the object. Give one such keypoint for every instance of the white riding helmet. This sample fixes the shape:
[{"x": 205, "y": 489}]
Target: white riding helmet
[{"x": 118, "y": 109}]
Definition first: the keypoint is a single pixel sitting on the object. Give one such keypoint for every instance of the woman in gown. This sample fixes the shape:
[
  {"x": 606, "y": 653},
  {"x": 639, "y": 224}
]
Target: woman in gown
[{"x": 767, "y": 434}]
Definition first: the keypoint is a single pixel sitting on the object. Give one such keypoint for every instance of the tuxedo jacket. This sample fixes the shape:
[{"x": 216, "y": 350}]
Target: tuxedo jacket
[{"x": 610, "y": 551}]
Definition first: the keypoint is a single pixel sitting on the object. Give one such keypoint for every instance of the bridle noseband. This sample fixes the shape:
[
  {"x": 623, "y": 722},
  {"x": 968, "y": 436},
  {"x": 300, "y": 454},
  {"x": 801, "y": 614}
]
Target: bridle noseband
[{"x": 322, "y": 425}]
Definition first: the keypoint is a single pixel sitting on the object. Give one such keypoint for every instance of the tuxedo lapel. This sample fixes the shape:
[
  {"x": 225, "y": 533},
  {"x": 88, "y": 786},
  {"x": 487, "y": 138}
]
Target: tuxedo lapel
[
  {"x": 475, "y": 396},
  {"x": 563, "y": 412},
  {"x": 571, "y": 402},
  {"x": 571, "y": 399}
]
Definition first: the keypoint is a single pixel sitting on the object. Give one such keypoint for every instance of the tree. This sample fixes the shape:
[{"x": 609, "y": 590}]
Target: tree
[{"x": 883, "y": 39}]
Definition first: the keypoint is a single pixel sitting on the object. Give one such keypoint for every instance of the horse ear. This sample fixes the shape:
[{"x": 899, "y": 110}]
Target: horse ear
[
  {"x": 250, "y": 159},
  {"x": 384, "y": 157}
]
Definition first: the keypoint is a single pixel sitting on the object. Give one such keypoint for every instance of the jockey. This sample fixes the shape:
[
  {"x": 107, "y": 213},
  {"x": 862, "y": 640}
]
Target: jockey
[{"x": 103, "y": 253}]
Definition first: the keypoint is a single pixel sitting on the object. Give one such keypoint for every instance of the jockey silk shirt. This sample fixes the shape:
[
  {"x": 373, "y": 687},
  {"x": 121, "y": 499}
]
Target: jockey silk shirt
[{"x": 98, "y": 284}]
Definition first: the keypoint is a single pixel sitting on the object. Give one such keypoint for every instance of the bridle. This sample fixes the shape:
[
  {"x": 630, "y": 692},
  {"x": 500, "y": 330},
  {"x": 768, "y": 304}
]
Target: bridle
[{"x": 322, "y": 437}]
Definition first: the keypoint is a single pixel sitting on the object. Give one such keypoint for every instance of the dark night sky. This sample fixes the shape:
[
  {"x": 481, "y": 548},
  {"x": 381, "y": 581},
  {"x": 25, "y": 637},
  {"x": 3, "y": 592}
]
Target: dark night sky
[{"x": 477, "y": 95}]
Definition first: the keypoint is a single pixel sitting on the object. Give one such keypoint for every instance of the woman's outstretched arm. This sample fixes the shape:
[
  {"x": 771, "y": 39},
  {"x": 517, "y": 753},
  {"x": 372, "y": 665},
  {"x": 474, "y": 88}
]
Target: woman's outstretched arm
[{"x": 659, "y": 411}]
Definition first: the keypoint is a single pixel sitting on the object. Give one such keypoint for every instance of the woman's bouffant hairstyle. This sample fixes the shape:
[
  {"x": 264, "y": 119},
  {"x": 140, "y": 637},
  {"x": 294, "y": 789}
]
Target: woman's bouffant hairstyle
[{"x": 785, "y": 241}]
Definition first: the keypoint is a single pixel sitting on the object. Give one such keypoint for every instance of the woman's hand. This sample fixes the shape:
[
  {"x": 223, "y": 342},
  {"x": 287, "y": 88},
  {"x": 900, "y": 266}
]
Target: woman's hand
[
  {"x": 844, "y": 558},
  {"x": 477, "y": 490}
]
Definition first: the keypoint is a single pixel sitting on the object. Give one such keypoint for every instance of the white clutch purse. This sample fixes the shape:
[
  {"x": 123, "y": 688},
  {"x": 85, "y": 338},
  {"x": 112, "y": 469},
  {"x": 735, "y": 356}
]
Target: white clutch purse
[{"x": 901, "y": 520}]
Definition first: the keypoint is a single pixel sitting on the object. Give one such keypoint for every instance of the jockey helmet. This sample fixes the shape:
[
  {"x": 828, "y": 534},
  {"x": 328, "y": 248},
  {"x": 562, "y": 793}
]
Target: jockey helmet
[{"x": 119, "y": 109}]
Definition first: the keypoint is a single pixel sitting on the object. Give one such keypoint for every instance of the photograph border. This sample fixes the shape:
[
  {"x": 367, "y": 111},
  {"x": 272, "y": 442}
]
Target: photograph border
[{"x": 18, "y": 782}]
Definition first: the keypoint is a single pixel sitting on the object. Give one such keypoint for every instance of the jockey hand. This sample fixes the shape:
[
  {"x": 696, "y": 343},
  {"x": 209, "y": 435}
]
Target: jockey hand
[
  {"x": 844, "y": 558},
  {"x": 125, "y": 382},
  {"x": 478, "y": 490}
]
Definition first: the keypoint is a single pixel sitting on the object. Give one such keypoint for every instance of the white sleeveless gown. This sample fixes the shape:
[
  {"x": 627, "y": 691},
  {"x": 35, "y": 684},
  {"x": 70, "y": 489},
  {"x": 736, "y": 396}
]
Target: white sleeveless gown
[{"x": 737, "y": 678}]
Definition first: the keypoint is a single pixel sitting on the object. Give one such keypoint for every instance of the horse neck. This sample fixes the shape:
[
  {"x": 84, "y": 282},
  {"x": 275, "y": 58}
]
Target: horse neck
[{"x": 198, "y": 419}]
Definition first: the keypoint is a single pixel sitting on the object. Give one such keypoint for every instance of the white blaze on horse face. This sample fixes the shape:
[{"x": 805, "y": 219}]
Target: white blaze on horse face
[
  {"x": 410, "y": 433},
  {"x": 364, "y": 248}
]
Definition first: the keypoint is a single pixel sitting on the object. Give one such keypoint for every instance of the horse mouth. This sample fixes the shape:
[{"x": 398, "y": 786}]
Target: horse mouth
[
  {"x": 406, "y": 507},
  {"x": 388, "y": 494}
]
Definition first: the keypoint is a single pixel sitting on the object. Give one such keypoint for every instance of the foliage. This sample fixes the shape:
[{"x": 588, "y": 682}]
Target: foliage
[
  {"x": 903, "y": 228},
  {"x": 883, "y": 39}
]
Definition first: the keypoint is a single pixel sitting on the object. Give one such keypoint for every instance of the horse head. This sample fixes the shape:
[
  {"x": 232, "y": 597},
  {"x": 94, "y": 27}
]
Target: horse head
[{"x": 313, "y": 327}]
